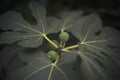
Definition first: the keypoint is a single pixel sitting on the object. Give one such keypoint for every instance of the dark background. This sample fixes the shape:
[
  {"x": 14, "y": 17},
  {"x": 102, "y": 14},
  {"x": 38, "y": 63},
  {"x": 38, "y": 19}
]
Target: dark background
[{"x": 109, "y": 10}]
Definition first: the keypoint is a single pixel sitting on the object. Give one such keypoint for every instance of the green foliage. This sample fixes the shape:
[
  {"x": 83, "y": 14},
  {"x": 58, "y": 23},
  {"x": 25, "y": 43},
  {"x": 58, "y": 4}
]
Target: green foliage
[
  {"x": 40, "y": 67},
  {"x": 94, "y": 55},
  {"x": 23, "y": 32}
]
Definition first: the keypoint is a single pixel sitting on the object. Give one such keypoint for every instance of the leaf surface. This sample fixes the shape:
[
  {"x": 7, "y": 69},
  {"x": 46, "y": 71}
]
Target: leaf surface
[
  {"x": 65, "y": 19},
  {"x": 39, "y": 67},
  {"x": 98, "y": 46},
  {"x": 17, "y": 29}
]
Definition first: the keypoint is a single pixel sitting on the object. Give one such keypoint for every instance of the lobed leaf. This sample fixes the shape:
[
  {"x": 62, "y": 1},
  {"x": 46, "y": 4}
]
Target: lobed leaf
[
  {"x": 39, "y": 67},
  {"x": 17, "y": 29},
  {"x": 96, "y": 45}
]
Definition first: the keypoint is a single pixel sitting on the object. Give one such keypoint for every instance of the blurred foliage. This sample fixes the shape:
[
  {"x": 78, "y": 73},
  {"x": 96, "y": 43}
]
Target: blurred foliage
[{"x": 109, "y": 10}]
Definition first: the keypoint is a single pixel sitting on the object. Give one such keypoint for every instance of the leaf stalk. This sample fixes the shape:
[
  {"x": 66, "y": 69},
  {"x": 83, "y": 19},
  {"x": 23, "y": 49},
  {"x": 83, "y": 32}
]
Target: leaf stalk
[
  {"x": 51, "y": 42},
  {"x": 70, "y": 47}
]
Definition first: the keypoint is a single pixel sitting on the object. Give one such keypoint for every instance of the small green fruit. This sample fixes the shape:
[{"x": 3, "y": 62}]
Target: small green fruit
[
  {"x": 64, "y": 37},
  {"x": 52, "y": 55}
]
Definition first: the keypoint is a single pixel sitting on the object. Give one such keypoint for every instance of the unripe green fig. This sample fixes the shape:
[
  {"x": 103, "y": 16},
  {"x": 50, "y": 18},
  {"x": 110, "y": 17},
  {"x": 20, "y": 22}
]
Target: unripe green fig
[
  {"x": 51, "y": 47},
  {"x": 52, "y": 55},
  {"x": 64, "y": 37}
]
